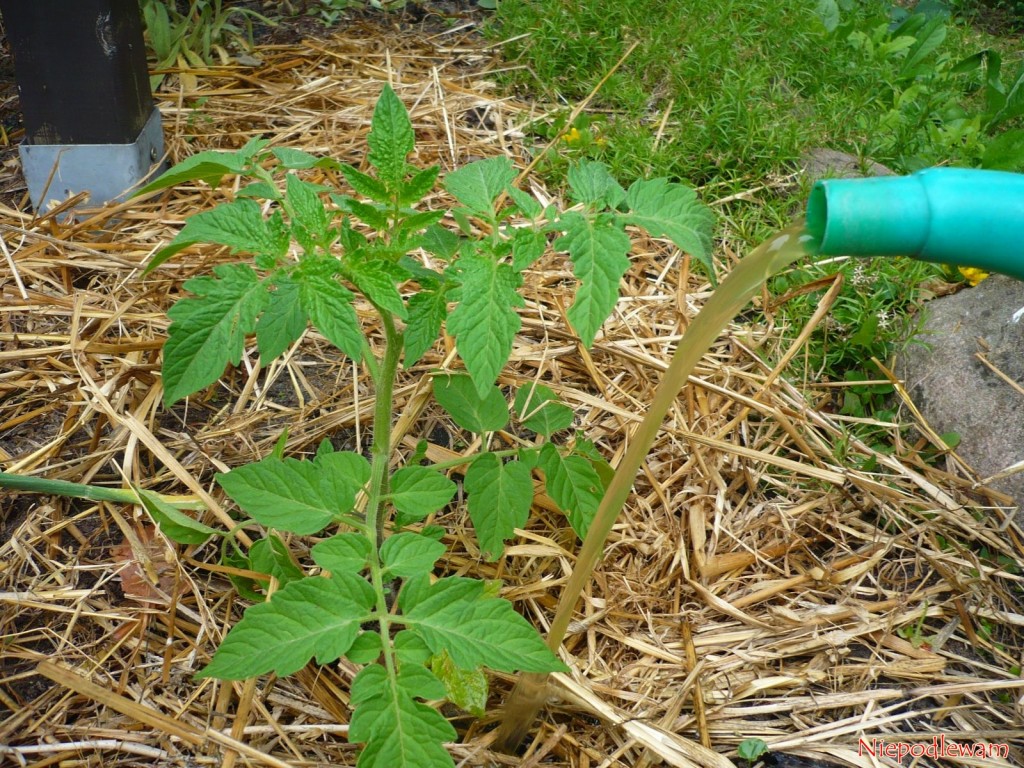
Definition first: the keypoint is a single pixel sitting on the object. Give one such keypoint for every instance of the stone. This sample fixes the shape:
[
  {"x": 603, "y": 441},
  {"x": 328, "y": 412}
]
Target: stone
[{"x": 954, "y": 389}]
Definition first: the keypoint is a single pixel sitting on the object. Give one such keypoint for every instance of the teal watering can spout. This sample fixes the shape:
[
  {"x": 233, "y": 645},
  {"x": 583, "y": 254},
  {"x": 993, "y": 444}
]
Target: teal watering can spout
[{"x": 968, "y": 218}]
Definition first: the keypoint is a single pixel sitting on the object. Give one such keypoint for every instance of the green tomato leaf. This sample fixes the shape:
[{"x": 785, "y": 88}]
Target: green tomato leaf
[
  {"x": 441, "y": 242},
  {"x": 290, "y": 495},
  {"x": 408, "y": 554},
  {"x": 344, "y": 553},
  {"x": 418, "y": 491},
  {"x": 598, "y": 248},
  {"x": 366, "y": 648},
  {"x": 467, "y": 688},
  {"x": 391, "y": 139},
  {"x": 173, "y": 523},
  {"x": 208, "y": 332},
  {"x": 538, "y": 408},
  {"x": 574, "y": 485},
  {"x": 329, "y": 306},
  {"x": 365, "y": 185},
  {"x": 282, "y": 322},
  {"x": 478, "y": 413},
  {"x": 499, "y": 498},
  {"x": 672, "y": 210},
  {"x": 427, "y": 311},
  {"x": 418, "y": 186},
  {"x": 398, "y": 730},
  {"x": 311, "y": 223},
  {"x": 485, "y": 323},
  {"x": 377, "y": 280},
  {"x": 313, "y": 617},
  {"x": 210, "y": 167},
  {"x": 591, "y": 183},
  {"x": 526, "y": 203},
  {"x": 239, "y": 225},
  {"x": 271, "y": 556},
  {"x": 455, "y": 616},
  {"x": 409, "y": 646},
  {"x": 372, "y": 214},
  {"x": 478, "y": 184},
  {"x": 528, "y": 245},
  {"x": 296, "y": 159}
]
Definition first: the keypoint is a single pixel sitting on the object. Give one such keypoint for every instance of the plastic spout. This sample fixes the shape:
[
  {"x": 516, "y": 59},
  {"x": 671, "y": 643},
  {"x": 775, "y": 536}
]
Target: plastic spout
[{"x": 967, "y": 218}]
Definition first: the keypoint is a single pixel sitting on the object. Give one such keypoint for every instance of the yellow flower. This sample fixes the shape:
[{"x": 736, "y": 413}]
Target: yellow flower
[
  {"x": 973, "y": 274},
  {"x": 573, "y": 137}
]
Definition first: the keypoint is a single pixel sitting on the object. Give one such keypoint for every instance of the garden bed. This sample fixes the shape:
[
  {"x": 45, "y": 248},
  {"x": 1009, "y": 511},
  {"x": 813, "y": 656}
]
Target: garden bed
[{"x": 772, "y": 577}]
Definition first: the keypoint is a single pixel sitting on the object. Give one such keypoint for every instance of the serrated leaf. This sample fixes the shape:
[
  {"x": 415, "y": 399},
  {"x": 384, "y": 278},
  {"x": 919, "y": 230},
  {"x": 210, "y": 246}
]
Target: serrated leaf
[
  {"x": 210, "y": 167},
  {"x": 391, "y": 138},
  {"x": 310, "y": 223},
  {"x": 296, "y": 159},
  {"x": 591, "y": 182},
  {"x": 528, "y": 245},
  {"x": 248, "y": 588},
  {"x": 371, "y": 214},
  {"x": 261, "y": 190},
  {"x": 478, "y": 413},
  {"x": 672, "y": 210},
  {"x": 409, "y": 554},
  {"x": 454, "y": 616},
  {"x": 409, "y": 646},
  {"x": 208, "y": 332},
  {"x": 365, "y": 185},
  {"x": 291, "y": 495},
  {"x": 418, "y": 186},
  {"x": 598, "y": 249},
  {"x": 574, "y": 485},
  {"x": 282, "y": 322},
  {"x": 441, "y": 242},
  {"x": 398, "y": 730},
  {"x": 499, "y": 499},
  {"x": 329, "y": 306},
  {"x": 377, "y": 280},
  {"x": 418, "y": 491},
  {"x": 271, "y": 556},
  {"x": 343, "y": 553},
  {"x": 314, "y": 617},
  {"x": 538, "y": 409},
  {"x": 366, "y": 648},
  {"x": 485, "y": 323},
  {"x": 478, "y": 184},
  {"x": 239, "y": 225},
  {"x": 467, "y": 688},
  {"x": 527, "y": 204},
  {"x": 173, "y": 523},
  {"x": 427, "y": 311}
]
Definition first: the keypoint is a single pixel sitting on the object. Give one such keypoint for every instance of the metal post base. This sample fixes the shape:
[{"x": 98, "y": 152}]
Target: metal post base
[{"x": 106, "y": 171}]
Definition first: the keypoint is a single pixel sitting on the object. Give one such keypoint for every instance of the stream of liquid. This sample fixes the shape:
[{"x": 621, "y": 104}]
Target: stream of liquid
[{"x": 739, "y": 286}]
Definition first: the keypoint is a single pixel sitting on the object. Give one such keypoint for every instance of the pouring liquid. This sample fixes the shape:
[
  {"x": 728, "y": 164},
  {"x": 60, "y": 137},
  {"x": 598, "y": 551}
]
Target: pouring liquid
[{"x": 739, "y": 286}]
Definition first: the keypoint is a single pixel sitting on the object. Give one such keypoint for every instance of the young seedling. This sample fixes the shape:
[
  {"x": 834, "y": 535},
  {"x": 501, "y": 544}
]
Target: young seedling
[{"x": 372, "y": 593}]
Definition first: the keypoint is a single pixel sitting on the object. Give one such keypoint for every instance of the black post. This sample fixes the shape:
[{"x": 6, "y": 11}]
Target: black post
[{"x": 90, "y": 123}]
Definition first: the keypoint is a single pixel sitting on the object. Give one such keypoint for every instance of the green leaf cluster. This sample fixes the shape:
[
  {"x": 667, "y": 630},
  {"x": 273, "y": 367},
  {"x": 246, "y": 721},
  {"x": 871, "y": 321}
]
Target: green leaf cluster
[{"x": 369, "y": 588}]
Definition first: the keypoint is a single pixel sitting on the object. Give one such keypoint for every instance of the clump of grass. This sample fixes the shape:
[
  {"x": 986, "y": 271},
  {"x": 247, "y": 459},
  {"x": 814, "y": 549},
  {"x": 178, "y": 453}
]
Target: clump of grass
[{"x": 728, "y": 94}]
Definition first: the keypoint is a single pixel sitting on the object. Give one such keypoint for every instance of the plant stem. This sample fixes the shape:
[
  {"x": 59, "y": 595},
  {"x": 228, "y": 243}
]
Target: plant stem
[
  {"x": 68, "y": 489},
  {"x": 730, "y": 297},
  {"x": 376, "y": 509}
]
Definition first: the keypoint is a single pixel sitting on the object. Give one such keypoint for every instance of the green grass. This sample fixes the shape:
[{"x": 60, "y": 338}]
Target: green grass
[{"x": 749, "y": 86}]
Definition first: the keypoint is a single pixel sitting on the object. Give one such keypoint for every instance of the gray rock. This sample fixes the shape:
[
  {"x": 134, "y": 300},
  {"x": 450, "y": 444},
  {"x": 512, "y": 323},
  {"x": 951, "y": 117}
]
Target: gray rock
[{"x": 957, "y": 392}]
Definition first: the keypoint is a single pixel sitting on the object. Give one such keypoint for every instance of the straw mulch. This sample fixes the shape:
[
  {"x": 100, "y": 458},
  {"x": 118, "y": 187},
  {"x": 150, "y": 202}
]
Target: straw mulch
[{"x": 758, "y": 585}]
